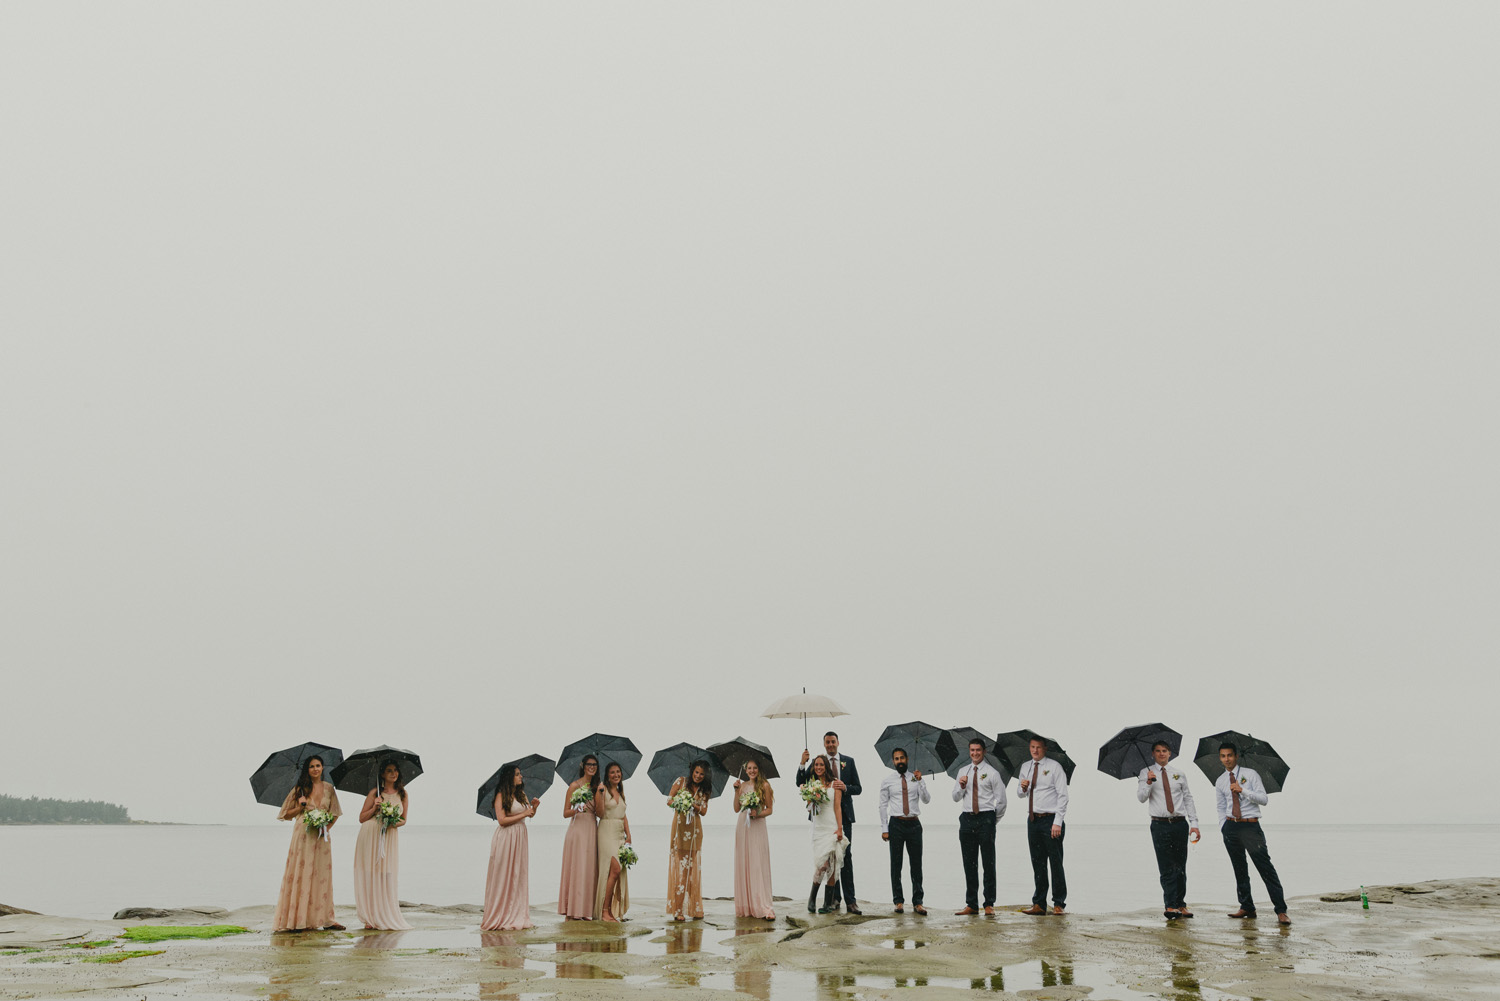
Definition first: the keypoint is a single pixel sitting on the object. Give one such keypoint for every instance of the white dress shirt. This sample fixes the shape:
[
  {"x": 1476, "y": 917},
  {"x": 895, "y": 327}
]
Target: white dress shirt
[
  {"x": 1154, "y": 794},
  {"x": 890, "y": 797},
  {"x": 991, "y": 789},
  {"x": 1252, "y": 797},
  {"x": 1051, "y": 788}
]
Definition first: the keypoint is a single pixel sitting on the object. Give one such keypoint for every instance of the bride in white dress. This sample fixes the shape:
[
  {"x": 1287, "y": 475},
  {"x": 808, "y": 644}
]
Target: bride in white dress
[{"x": 828, "y": 842}]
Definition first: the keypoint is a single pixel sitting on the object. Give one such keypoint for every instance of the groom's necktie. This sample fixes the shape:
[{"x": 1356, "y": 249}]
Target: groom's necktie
[
  {"x": 1166, "y": 787},
  {"x": 974, "y": 778}
]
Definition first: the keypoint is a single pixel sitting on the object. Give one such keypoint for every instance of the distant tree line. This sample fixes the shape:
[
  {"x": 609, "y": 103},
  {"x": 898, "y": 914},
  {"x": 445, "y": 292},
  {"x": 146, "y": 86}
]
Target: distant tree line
[{"x": 34, "y": 810}]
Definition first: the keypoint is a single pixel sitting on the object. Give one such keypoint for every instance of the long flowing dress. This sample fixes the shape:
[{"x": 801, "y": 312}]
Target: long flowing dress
[
  {"x": 507, "y": 889},
  {"x": 376, "y": 864},
  {"x": 827, "y": 851},
  {"x": 752, "y": 868},
  {"x": 684, "y": 870},
  {"x": 611, "y": 838},
  {"x": 580, "y": 867},
  {"x": 306, "y": 899}
]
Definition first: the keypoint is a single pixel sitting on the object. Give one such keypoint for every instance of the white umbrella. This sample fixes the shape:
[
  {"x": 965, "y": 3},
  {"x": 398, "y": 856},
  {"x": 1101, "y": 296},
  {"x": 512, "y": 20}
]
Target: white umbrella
[{"x": 802, "y": 706}]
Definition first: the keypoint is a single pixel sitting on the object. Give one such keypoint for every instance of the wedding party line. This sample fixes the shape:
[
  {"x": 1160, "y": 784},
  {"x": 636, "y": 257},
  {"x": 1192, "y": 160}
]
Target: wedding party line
[{"x": 598, "y": 850}]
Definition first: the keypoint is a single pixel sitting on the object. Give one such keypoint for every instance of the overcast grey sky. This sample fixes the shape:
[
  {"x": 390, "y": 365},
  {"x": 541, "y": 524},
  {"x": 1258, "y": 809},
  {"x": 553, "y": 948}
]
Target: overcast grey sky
[{"x": 471, "y": 377}]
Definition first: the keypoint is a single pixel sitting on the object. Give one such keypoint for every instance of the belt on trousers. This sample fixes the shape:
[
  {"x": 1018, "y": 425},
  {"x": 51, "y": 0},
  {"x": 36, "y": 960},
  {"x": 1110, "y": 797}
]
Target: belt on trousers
[
  {"x": 1243, "y": 820},
  {"x": 981, "y": 813},
  {"x": 1040, "y": 816},
  {"x": 1168, "y": 820},
  {"x": 912, "y": 817}
]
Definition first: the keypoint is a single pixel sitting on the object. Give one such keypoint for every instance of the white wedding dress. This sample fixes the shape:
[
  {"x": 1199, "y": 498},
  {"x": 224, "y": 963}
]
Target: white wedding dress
[{"x": 828, "y": 853}]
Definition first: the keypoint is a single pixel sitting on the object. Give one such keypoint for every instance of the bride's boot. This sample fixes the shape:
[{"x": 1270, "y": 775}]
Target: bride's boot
[
  {"x": 812, "y": 901},
  {"x": 829, "y": 907}
]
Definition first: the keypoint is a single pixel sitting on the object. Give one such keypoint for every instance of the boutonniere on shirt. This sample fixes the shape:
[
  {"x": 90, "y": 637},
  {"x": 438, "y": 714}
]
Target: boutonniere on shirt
[
  {"x": 984, "y": 775},
  {"x": 1046, "y": 771},
  {"x": 1177, "y": 776}
]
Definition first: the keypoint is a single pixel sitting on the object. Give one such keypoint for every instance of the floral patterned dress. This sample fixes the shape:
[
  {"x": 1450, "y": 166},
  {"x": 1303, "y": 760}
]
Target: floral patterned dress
[
  {"x": 306, "y": 899},
  {"x": 684, "y": 863}
]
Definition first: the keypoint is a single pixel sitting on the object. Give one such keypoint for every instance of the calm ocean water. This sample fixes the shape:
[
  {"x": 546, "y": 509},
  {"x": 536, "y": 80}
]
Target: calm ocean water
[{"x": 93, "y": 871}]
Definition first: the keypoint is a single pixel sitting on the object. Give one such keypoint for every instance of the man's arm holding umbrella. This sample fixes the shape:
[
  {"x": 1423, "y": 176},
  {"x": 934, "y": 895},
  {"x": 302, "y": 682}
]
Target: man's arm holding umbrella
[{"x": 1252, "y": 788}]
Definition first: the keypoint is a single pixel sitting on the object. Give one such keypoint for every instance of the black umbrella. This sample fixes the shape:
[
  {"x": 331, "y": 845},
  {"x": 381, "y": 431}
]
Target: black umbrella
[
  {"x": 929, "y": 749},
  {"x": 673, "y": 763},
  {"x": 1014, "y": 748},
  {"x": 535, "y": 769},
  {"x": 1253, "y": 753},
  {"x": 606, "y": 747},
  {"x": 733, "y": 754},
  {"x": 360, "y": 771},
  {"x": 961, "y": 735},
  {"x": 276, "y": 776},
  {"x": 1127, "y": 752}
]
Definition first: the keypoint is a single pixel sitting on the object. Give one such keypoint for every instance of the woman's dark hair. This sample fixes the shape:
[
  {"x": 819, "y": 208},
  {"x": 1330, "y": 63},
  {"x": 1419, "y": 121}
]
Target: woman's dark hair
[
  {"x": 508, "y": 788},
  {"x": 304, "y": 781},
  {"x": 583, "y": 766},
  {"x": 604, "y": 777},
  {"x": 380, "y": 779},
  {"x": 704, "y": 788},
  {"x": 812, "y": 769}
]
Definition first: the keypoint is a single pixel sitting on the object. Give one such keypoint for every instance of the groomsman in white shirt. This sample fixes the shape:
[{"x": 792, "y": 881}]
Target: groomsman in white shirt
[
  {"x": 1239, "y": 794},
  {"x": 981, "y": 790},
  {"x": 1164, "y": 790},
  {"x": 1044, "y": 784},
  {"x": 901, "y": 799}
]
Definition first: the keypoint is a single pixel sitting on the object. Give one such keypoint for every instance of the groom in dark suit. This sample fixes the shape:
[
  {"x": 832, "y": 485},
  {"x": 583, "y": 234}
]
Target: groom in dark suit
[{"x": 846, "y": 779}]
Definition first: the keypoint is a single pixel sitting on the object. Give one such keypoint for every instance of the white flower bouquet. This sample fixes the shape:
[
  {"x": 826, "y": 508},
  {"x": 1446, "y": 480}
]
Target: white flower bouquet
[
  {"x": 627, "y": 856},
  {"x": 814, "y": 793},
  {"x": 683, "y": 802},
  {"x": 581, "y": 796},
  {"x": 388, "y": 813},
  {"x": 750, "y": 800},
  {"x": 317, "y": 821}
]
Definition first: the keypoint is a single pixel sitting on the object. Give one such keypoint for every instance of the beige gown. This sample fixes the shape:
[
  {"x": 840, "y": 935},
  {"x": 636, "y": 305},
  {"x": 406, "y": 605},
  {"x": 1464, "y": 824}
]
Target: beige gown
[
  {"x": 507, "y": 886},
  {"x": 375, "y": 896},
  {"x": 611, "y": 837},
  {"x": 306, "y": 899}
]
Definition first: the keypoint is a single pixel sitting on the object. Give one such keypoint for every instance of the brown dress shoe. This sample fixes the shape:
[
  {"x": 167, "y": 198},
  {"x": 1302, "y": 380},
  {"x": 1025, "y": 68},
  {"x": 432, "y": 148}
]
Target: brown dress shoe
[
  {"x": 919, "y": 909},
  {"x": 1057, "y": 910},
  {"x": 1242, "y": 913},
  {"x": 989, "y": 911},
  {"x": 900, "y": 909},
  {"x": 1282, "y": 919},
  {"x": 965, "y": 911},
  {"x": 1034, "y": 909}
]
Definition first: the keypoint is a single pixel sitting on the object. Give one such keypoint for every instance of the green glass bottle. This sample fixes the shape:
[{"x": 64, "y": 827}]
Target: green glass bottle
[{"x": 1364, "y": 898}]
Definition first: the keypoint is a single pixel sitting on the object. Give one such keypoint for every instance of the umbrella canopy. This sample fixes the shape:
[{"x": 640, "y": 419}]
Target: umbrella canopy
[
  {"x": 1014, "y": 748},
  {"x": 929, "y": 749},
  {"x": 801, "y": 706},
  {"x": 604, "y": 746},
  {"x": 276, "y": 776},
  {"x": 1127, "y": 752},
  {"x": 672, "y": 763},
  {"x": 538, "y": 772},
  {"x": 1254, "y": 753},
  {"x": 961, "y": 735},
  {"x": 360, "y": 771},
  {"x": 733, "y": 754}
]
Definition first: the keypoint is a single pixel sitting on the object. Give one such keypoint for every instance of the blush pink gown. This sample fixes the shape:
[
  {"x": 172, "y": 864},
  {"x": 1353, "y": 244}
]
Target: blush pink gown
[
  {"x": 507, "y": 890},
  {"x": 376, "y": 864},
  {"x": 752, "y": 868},
  {"x": 580, "y": 867}
]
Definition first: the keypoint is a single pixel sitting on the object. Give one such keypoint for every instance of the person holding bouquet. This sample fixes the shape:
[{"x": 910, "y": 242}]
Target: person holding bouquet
[
  {"x": 507, "y": 890},
  {"x": 306, "y": 899},
  {"x": 688, "y": 799},
  {"x": 580, "y": 856},
  {"x": 375, "y": 852},
  {"x": 825, "y": 807},
  {"x": 753, "y": 800},
  {"x": 612, "y": 899}
]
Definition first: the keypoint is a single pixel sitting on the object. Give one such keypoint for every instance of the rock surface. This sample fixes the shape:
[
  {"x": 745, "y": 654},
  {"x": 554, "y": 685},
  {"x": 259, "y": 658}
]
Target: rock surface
[
  {"x": 7, "y": 909},
  {"x": 177, "y": 915}
]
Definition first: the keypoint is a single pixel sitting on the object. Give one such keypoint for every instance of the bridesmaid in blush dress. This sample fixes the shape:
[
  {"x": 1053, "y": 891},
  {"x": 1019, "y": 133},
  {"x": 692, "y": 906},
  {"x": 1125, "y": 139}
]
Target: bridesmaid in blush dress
[
  {"x": 613, "y": 897},
  {"x": 306, "y": 899},
  {"x": 752, "y": 848},
  {"x": 580, "y": 859},
  {"x": 684, "y": 859},
  {"x": 376, "y": 854},
  {"x": 507, "y": 890}
]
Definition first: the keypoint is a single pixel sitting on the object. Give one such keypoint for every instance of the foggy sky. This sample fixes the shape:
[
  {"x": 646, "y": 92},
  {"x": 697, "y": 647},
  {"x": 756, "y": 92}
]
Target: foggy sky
[{"x": 471, "y": 377}]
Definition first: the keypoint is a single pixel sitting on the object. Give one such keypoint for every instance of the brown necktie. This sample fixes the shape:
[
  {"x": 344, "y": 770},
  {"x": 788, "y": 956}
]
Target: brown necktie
[
  {"x": 1236, "y": 800},
  {"x": 974, "y": 778},
  {"x": 905, "y": 803},
  {"x": 1166, "y": 787},
  {"x": 1031, "y": 794}
]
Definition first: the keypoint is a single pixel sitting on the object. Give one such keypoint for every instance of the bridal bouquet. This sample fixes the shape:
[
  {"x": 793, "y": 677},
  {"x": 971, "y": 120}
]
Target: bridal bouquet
[
  {"x": 627, "y": 856},
  {"x": 317, "y": 821},
  {"x": 580, "y": 796},
  {"x": 751, "y": 799},
  {"x": 814, "y": 794},
  {"x": 388, "y": 813},
  {"x": 683, "y": 802}
]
